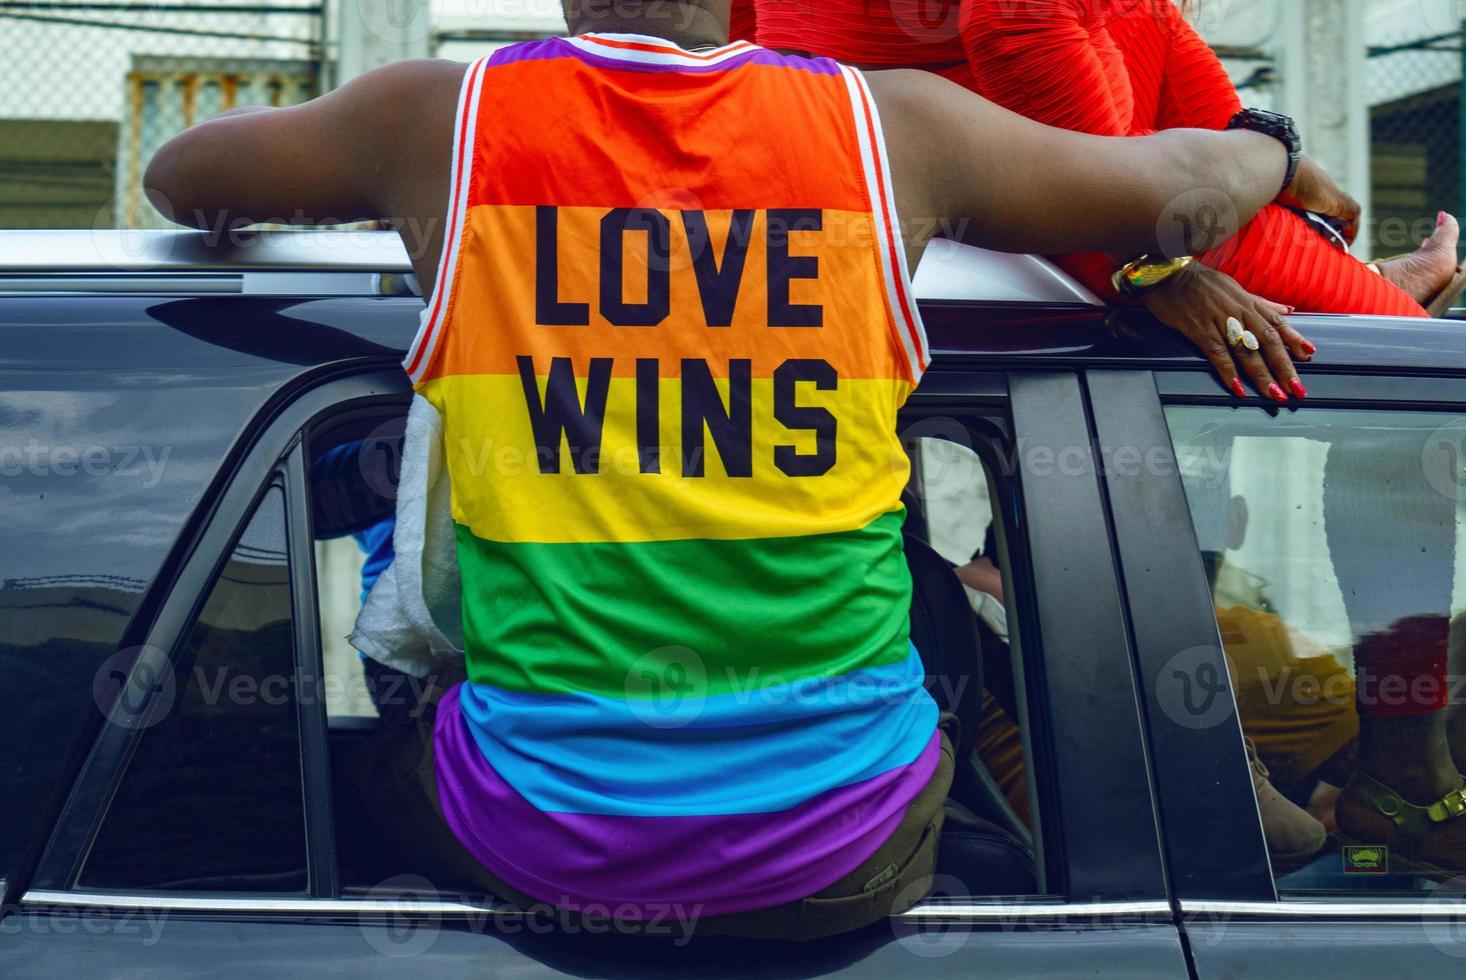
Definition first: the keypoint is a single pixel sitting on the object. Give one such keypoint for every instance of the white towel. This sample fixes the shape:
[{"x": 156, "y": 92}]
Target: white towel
[{"x": 413, "y": 618}]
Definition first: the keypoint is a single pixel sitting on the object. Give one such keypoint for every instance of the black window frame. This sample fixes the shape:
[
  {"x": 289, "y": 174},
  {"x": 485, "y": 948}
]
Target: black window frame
[{"x": 1076, "y": 672}]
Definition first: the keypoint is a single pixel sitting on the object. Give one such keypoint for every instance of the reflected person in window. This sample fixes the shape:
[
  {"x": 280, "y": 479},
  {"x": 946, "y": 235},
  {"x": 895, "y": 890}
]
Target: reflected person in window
[{"x": 1293, "y": 835}]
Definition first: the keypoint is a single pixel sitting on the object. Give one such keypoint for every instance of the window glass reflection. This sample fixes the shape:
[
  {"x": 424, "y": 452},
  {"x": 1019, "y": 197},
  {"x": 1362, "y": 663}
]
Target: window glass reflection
[{"x": 1331, "y": 542}]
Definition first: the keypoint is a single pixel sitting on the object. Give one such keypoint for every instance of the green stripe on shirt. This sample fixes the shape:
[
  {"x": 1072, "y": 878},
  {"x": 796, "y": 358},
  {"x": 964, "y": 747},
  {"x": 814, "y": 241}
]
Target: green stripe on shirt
[{"x": 688, "y": 618}]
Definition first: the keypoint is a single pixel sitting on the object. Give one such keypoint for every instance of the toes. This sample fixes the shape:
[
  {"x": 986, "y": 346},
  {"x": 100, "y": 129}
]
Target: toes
[{"x": 1447, "y": 232}]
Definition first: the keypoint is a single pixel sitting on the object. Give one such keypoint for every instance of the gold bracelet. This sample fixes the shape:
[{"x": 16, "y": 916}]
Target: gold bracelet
[{"x": 1140, "y": 276}]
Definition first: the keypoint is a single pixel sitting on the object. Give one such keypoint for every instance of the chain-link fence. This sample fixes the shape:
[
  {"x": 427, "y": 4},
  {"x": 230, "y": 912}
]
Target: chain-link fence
[
  {"x": 1414, "y": 84},
  {"x": 90, "y": 88}
]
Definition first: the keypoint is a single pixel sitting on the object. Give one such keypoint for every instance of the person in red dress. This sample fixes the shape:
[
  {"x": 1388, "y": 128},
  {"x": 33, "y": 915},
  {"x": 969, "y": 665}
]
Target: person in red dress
[
  {"x": 1132, "y": 68},
  {"x": 1126, "y": 68}
]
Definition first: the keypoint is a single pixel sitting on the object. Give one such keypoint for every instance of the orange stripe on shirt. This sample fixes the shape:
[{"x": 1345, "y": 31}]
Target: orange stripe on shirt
[{"x": 714, "y": 165}]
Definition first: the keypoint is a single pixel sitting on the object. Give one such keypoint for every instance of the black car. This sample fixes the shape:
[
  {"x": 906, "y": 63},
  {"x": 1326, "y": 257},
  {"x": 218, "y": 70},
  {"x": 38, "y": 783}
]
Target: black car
[{"x": 170, "y": 715}]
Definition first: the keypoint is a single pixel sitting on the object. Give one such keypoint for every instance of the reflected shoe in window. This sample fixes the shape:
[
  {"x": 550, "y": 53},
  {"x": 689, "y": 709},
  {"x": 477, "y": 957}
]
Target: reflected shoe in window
[
  {"x": 1429, "y": 839},
  {"x": 1293, "y": 835}
]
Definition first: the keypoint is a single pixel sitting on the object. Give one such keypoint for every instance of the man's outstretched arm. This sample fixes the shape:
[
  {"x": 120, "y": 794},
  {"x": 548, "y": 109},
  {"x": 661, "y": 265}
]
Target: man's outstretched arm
[
  {"x": 378, "y": 147},
  {"x": 1016, "y": 185},
  {"x": 1020, "y": 186}
]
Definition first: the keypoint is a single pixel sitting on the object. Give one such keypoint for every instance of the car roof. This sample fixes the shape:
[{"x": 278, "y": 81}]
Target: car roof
[
  {"x": 949, "y": 271},
  {"x": 1002, "y": 308}
]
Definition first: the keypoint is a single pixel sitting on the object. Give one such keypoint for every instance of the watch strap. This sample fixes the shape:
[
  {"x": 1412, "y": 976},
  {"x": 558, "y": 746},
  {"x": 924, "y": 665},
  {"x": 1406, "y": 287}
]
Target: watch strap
[{"x": 1281, "y": 128}]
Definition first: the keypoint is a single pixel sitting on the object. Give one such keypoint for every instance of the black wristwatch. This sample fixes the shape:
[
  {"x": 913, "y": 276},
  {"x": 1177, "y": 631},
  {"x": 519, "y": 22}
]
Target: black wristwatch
[{"x": 1279, "y": 127}]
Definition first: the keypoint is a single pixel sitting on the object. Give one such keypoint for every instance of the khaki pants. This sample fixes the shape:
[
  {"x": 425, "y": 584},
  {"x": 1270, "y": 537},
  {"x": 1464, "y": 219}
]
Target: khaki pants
[{"x": 396, "y": 827}]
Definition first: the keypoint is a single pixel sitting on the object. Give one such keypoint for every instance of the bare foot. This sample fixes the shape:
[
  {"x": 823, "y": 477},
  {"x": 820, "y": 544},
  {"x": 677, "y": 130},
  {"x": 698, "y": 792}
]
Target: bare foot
[{"x": 1425, "y": 272}]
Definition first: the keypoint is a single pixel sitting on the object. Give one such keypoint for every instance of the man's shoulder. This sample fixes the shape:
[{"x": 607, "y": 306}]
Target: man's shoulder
[
  {"x": 910, "y": 87},
  {"x": 415, "y": 77},
  {"x": 406, "y": 105}
]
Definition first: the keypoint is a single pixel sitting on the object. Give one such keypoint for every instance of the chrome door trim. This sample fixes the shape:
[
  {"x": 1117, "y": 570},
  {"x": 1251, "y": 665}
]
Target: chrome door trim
[
  {"x": 1020, "y": 912},
  {"x": 1015, "y": 912},
  {"x": 248, "y": 283},
  {"x": 1454, "y": 908}
]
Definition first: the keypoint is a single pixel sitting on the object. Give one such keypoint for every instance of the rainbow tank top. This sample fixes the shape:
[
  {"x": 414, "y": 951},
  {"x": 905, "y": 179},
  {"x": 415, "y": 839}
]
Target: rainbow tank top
[{"x": 672, "y": 329}]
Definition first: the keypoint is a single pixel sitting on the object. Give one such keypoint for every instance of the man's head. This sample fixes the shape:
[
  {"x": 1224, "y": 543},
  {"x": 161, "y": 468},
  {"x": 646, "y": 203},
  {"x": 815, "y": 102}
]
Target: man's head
[{"x": 687, "y": 22}]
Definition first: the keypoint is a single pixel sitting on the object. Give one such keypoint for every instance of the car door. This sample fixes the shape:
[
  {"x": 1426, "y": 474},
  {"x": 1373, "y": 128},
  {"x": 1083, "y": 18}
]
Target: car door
[
  {"x": 1260, "y": 547},
  {"x": 241, "y": 867}
]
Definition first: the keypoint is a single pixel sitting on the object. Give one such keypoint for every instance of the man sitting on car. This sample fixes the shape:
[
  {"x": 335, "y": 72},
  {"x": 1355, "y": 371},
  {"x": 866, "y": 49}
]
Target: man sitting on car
[{"x": 669, "y": 328}]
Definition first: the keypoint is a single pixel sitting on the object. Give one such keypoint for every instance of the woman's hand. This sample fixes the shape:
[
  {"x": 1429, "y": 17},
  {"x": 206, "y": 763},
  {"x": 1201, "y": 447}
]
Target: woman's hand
[
  {"x": 1198, "y": 301},
  {"x": 1314, "y": 190}
]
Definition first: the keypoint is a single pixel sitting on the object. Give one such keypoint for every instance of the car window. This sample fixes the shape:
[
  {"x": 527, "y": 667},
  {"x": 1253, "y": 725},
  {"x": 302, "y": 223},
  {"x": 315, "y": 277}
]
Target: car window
[
  {"x": 952, "y": 507},
  {"x": 1332, "y": 542},
  {"x": 353, "y": 475},
  {"x": 96, "y": 484},
  {"x": 212, "y": 797}
]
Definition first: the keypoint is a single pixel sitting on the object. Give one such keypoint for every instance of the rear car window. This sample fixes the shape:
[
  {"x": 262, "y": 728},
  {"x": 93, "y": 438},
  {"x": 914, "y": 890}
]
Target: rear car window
[
  {"x": 1333, "y": 539},
  {"x": 212, "y": 798},
  {"x": 94, "y": 487}
]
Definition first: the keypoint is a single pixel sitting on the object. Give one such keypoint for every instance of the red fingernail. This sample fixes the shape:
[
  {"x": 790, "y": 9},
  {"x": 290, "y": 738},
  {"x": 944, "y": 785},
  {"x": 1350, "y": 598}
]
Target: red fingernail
[
  {"x": 1292, "y": 309},
  {"x": 1296, "y": 387},
  {"x": 1276, "y": 393},
  {"x": 1309, "y": 349},
  {"x": 1237, "y": 388}
]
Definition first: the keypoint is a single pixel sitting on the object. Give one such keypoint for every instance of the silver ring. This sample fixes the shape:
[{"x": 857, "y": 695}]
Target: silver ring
[{"x": 1240, "y": 336}]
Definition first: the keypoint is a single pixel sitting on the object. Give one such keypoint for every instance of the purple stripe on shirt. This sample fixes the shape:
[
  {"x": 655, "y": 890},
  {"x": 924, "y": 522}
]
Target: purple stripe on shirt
[
  {"x": 713, "y": 864},
  {"x": 556, "y": 47}
]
